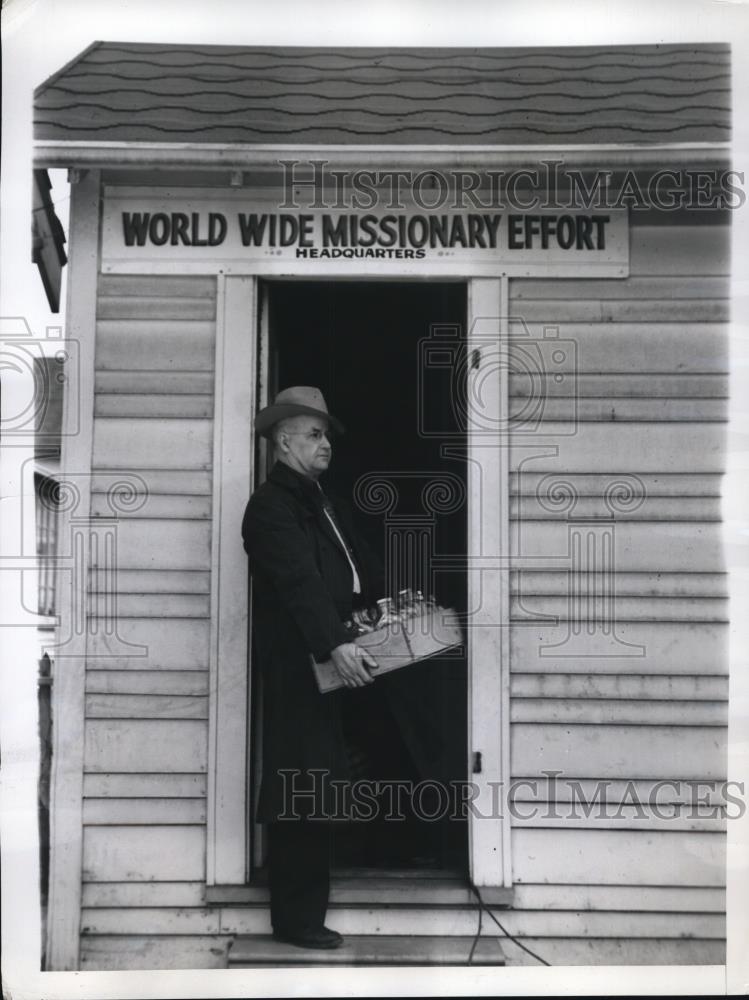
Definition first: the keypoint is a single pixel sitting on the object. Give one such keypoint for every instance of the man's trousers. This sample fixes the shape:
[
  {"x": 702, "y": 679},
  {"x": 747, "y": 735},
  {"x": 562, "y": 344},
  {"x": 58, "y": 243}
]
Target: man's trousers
[{"x": 299, "y": 874}]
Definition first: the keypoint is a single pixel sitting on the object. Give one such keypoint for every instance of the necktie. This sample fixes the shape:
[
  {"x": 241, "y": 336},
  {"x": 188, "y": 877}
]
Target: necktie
[{"x": 330, "y": 514}]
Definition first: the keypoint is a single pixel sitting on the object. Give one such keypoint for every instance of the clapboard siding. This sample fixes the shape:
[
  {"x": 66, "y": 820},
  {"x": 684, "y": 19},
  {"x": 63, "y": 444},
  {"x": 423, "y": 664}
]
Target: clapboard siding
[
  {"x": 600, "y": 310},
  {"x": 619, "y": 447},
  {"x": 138, "y": 443},
  {"x": 617, "y": 951},
  {"x": 155, "y": 406},
  {"x": 442, "y": 922},
  {"x": 693, "y": 410},
  {"x": 592, "y": 792},
  {"x": 528, "y": 482},
  {"x": 643, "y": 507},
  {"x": 618, "y": 857},
  {"x": 167, "y": 786},
  {"x": 638, "y": 546},
  {"x": 143, "y": 853},
  {"x": 653, "y": 287},
  {"x": 174, "y": 289},
  {"x": 632, "y": 609},
  {"x": 650, "y": 688},
  {"x": 148, "y": 745},
  {"x": 156, "y": 505},
  {"x": 714, "y": 585},
  {"x": 158, "y": 383},
  {"x": 189, "y": 307},
  {"x": 622, "y": 711},
  {"x": 149, "y": 644},
  {"x": 172, "y": 345},
  {"x": 645, "y": 386},
  {"x": 146, "y": 705},
  {"x": 603, "y": 750},
  {"x": 460, "y": 922},
  {"x": 154, "y": 581},
  {"x": 641, "y": 389},
  {"x": 169, "y": 894},
  {"x": 144, "y": 812},
  {"x": 147, "y": 682},
  {"x": 150, "y": 605},
  {"x": 619, "y": 816},
  {"x": 662, "y": 648},
  {"x": 679, "y": 251},
  {"x": 198, "y": 93},
  {"x": 528, "y": 897},
  {"x": 648, "y": 347}
]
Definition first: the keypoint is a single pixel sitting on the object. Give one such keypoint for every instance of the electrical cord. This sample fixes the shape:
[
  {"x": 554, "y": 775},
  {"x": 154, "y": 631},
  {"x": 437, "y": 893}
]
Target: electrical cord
[{"x": 482, "y": 907}]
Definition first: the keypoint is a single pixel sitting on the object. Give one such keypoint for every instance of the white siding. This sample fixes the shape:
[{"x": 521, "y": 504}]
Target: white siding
[
  {"x": 144, "y": 804},
  {"x": 642, "y": 401}
]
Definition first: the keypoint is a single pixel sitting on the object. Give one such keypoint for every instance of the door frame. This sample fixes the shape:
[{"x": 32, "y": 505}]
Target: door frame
[{"x": 241, "y": 387}]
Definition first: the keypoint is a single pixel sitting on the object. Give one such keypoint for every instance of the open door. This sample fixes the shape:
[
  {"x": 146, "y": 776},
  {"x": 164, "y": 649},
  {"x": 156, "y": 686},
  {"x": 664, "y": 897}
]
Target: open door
[
  {"x": 363, "y": 344},
  {"x": 488, "y": 582}
]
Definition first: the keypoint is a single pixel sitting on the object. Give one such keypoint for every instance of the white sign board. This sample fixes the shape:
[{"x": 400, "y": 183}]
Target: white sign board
[{"x": 210, "y": 231}]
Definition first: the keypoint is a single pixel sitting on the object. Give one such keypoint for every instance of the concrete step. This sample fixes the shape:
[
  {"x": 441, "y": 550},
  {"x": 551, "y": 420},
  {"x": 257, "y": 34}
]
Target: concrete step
[{"x": 253, "y": 950}]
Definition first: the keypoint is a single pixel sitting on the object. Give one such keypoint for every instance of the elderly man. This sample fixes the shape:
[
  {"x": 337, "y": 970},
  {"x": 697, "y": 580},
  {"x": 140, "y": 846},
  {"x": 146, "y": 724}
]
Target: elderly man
[{"x": 310, "y": 569}]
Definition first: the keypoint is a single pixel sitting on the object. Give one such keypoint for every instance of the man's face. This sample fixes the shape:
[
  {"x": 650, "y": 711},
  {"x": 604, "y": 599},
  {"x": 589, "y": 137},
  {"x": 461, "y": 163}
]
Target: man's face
[{"x": 304, "y": 445}]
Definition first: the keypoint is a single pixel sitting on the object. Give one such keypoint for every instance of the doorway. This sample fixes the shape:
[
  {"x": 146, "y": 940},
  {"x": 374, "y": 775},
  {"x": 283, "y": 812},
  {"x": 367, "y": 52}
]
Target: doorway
[{"x": 363, "y": 344}]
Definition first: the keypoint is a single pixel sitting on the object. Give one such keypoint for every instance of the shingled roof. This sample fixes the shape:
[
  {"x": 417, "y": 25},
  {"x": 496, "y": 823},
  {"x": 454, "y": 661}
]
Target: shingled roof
[{"x": 639, "y": 94}]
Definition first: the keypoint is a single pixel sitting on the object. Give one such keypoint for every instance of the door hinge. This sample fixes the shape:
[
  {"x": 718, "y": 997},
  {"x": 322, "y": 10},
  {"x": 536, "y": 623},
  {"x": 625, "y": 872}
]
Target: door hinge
[{"x": 477, "y": 762}]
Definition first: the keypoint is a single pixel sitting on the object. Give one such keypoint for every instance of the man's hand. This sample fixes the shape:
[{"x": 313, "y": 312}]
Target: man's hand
[{"x": 351, "y": 662}]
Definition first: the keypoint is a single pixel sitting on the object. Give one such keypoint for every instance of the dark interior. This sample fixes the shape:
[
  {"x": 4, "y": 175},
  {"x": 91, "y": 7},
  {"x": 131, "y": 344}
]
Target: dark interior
[{"x": 364, "y": 344}]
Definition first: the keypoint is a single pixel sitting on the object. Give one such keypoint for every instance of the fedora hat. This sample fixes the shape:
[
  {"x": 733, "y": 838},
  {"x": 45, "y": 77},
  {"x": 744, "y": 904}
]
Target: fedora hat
[{"x": 297, "y": 400}]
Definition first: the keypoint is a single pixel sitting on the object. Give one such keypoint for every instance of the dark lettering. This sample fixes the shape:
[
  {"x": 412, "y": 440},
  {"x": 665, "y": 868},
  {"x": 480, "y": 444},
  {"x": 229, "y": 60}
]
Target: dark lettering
[
  {"x": 180, "y": 222},
  {"x": 216, "y": 229},
  {"x": 600, "y": 224},
  {"x": 158, "y": 230},
  {"x": 252, "y": 229},
  {"x": 584, "y": 226},
  {"x": 514, "y": 232},
  {"x": 135, "y": 228},
  {"x": 492, "y": 225},
  {"x": 334, "y": 232}
]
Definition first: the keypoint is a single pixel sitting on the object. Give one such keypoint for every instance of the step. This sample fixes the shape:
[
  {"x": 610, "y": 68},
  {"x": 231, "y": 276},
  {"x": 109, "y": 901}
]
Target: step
[{"x": 252, "y": 950}]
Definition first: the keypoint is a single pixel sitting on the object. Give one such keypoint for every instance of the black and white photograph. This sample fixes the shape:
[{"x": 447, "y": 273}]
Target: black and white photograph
[{"x": 374, "y": 513}]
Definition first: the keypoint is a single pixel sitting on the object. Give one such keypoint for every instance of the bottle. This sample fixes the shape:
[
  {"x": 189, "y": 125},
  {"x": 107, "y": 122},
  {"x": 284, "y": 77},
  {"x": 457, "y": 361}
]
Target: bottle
[
  {"x": 405, "y": 602},
  {"x": 417, "y": 605},
  {"x": 387, "y": 612}
]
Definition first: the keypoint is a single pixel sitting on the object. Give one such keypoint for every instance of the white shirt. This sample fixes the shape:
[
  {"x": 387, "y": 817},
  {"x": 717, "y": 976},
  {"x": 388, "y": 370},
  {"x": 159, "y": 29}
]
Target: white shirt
[{"x": 357, "y": 582}]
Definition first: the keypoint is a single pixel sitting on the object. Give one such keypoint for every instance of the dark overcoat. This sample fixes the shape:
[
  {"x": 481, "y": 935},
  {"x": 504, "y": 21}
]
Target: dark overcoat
[{"x": 302, "y": 594}]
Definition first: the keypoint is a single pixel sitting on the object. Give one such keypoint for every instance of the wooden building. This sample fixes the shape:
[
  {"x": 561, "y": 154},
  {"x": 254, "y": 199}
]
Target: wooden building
[{"x": 556, "y": 390}]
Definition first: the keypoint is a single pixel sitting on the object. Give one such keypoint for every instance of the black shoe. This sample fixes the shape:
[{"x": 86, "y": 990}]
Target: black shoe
[{"x": 322, "y": 937}]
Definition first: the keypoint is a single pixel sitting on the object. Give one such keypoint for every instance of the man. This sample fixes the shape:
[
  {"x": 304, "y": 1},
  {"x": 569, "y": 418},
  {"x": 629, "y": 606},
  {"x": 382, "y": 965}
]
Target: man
[{"x": 310, "y": 569}]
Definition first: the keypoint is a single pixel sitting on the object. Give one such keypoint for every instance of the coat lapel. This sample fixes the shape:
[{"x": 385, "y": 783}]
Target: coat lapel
[{"x": 311, "y": 499}]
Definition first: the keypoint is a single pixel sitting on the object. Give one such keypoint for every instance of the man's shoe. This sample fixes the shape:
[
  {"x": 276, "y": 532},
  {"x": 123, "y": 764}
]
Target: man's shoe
[{"x": 322, "y": 937}]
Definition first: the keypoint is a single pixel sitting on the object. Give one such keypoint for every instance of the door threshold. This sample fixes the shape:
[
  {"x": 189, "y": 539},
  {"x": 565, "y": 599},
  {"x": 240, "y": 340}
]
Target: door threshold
[
  {"x": 385, "y": 888},
  {"x": 359, "y": 871}
]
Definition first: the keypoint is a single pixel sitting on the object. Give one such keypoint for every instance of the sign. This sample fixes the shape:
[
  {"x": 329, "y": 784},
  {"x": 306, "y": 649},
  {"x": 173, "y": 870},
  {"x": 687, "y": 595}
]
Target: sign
[{"x": 245, "y": 231}]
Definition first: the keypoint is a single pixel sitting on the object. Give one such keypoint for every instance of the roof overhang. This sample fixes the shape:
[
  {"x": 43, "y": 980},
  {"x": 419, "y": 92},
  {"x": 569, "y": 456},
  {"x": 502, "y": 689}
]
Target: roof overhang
[{"x": 236, "y": 156}]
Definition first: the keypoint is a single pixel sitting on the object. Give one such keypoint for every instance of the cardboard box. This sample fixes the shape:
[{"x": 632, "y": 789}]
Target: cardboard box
[{"x": 430, "y": 634}]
